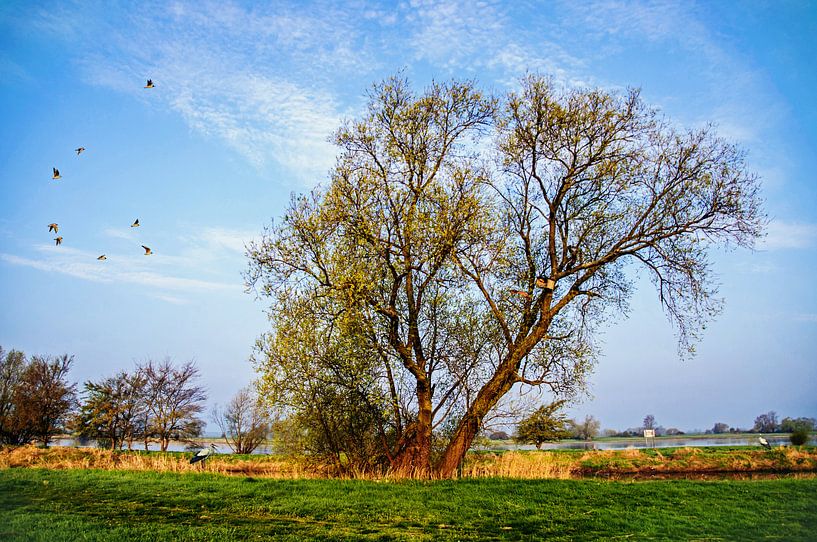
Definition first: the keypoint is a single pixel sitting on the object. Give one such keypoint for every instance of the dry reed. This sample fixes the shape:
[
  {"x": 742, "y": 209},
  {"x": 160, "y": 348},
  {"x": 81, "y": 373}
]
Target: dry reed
[{"x": 530, "y": 465}]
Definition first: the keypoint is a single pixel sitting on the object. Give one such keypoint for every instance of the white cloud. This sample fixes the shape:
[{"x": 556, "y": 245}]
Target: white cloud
[
  {"x": 789, "y": 235},
  {"x": 260, "y": 79},
  {"x": 449, "y": 32},
  {"x": 116, "y": 269}
]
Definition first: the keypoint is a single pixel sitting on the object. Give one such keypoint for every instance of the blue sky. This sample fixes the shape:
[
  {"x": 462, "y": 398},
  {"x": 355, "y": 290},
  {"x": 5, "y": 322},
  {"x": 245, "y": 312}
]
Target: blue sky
[{"x": 246, "y": 96}]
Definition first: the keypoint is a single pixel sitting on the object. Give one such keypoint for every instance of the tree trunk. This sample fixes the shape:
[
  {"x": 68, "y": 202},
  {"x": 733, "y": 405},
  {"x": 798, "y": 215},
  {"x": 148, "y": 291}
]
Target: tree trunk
[
  {"x": 472, "y": 420},
  {"x": 415, "y": 457}
]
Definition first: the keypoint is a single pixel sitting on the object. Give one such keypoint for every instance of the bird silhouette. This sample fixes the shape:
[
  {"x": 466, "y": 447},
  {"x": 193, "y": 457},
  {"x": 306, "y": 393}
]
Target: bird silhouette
[
  {"x": 201, "y": 455},
  {"x": 763, "y": 442},
  {"x": 56, "y": 174},
  {"x": 79, "y": 150},
  {"x": 103, "y": 257},
  {"x": 53, "y": 227},
  {"x": 149, "y": 83},
  {"x": 520, "y": 293},
  {"x": 148, "y": 252},
  {"x": 58, "y": 240},
  {"x": 135, "y": 224}
]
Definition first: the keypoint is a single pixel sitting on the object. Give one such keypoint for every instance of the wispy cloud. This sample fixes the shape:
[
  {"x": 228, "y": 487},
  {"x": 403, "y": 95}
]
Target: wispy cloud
[
  {"x": 116, "y": 269},
  {"x": 449, "y": 32},
  {"x": 806, "y": 317},
  {"x": 789, "y": 235},
  {"x": 260, "y": 79}
]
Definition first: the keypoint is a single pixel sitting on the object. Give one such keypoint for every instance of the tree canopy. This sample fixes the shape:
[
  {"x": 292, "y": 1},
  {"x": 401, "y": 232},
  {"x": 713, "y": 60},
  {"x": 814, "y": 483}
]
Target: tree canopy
[
  {"x": 464, "y": 245},
  {"x": 545, "y": 424}
]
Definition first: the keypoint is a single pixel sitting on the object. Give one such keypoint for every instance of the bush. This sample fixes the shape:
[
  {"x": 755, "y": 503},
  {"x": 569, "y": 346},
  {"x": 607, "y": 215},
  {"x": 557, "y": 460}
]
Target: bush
[{"x": 798, "y": 438}]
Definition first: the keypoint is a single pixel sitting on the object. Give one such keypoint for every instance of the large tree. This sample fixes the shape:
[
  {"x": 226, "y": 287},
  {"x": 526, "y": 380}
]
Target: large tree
[{"x": 479, "y": 244}]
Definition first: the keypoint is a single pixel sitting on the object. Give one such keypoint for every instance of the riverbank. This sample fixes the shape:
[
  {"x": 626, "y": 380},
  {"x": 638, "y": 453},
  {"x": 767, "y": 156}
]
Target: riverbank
[{"x": 554, "y": 464}]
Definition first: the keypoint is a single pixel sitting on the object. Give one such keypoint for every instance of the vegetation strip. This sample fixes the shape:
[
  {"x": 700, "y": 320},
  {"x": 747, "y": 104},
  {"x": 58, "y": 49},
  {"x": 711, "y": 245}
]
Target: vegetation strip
[
  {"x": 39, "y": 504},
  {"x": 562, "y": 464}
]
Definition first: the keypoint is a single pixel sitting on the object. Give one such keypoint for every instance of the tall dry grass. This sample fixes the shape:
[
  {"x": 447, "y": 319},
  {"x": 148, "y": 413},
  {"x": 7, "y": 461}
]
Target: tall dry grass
[
  {"x": 520, "y": 465},
  {"x": 92, "y": 458},
  {"x": 529, "y": 465}
]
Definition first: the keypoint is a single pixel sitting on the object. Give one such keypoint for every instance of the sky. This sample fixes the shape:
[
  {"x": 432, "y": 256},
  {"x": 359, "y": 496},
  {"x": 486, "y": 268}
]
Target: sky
[{"x": 246, "y": 95}]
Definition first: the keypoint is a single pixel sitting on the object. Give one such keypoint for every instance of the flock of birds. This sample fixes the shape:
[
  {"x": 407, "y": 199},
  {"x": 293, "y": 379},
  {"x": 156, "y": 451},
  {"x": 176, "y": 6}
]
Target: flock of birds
[{"x": 55, "y": 227}]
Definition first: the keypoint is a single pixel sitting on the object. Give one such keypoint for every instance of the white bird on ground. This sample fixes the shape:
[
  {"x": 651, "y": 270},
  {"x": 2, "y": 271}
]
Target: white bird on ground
[
  {"x": 201, "y": 455},
  {"x": 763, "y": 442}
]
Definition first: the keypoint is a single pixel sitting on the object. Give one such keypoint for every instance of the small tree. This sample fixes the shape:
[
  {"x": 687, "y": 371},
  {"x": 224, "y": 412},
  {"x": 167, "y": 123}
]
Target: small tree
[
  {"x": 789, "y": 425},
  {"x": 719, "y": 428},
  {"x": 243, "y": 422},
  {"x": 799, "y": 437},
  {"x": 585, "y": 430},
  {"x": 766, "y": 423},
  {"x": 43, "y": 399},
  {"x": 173, "y": 400},
  {"x": 649, "y": 422},
  {"x": 546, "y": 424},
  {"x": 111, "y": 410},
  {"x": 12, "y": 367}
]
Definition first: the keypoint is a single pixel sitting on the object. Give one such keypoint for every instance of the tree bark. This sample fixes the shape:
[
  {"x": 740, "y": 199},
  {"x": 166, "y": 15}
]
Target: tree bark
[
  {"x": 472, "y": 420},
  {"x": 415, "y": 457}
]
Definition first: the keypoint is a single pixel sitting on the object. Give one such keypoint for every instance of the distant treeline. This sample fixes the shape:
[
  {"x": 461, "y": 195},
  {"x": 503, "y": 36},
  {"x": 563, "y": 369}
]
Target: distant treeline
[{"x": 156, "y": 402}]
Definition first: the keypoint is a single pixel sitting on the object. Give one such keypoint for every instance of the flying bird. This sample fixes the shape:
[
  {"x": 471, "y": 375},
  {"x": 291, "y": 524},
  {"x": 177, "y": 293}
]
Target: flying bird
[
  {"x": 135, "y": 224},
  {"x": 520, "y": 293},
  {"x": 58, "y": 240},
  {"x": 56, "y": 174},
  {"x": 148, "y": 252},
  {"x": 103, "y": 257},
  {"x": 79, "y": 150},
  {"x": 763, "y": 442},
  {"x": 201, "y": 455},
  {"x": 53, "y": 227},
  {"x": 149, "y": 83}
]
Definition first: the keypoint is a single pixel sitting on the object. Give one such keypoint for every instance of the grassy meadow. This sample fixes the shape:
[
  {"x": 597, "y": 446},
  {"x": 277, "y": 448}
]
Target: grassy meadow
[
  {"x": 73, "y": 504},
  {"x": 91, "y": 494}
]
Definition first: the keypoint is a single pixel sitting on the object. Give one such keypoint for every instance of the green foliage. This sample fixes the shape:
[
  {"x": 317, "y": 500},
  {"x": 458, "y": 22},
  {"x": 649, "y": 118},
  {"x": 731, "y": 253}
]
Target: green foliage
[
  {"x": 442, "y": 282},
  {"x": 789, "y": 425},
  {"x": 43, "y": 505},
  {"x": 545, "y": 424},
  {"x": 112, "y": 409},
  {"x": 799, "y": 437}
]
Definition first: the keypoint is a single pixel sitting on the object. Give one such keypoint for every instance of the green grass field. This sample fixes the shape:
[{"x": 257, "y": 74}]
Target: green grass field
[{"x": 39, "y": 504}]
